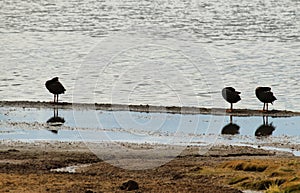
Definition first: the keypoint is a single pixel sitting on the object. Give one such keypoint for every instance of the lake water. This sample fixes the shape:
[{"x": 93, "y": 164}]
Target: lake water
[
  {"x": 115, "y": 127},
  {"x": 162, "y": 52}
]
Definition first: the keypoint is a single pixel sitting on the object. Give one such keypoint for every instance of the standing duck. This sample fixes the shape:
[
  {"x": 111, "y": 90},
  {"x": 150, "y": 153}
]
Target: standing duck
[
  {"x": 231, "y": 96},
  {"x": 265, "y": 95},
  {"x": 55, "y": 87}
]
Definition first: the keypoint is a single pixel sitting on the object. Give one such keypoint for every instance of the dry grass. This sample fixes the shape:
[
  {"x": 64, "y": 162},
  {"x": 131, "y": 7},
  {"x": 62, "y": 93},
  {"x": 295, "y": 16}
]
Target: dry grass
[
  {"x": 28, "y": 170},
  {"x": 280, "y": 176},
  {"x": 248, "y": 166},
  {"x": 274, "y": 188}
]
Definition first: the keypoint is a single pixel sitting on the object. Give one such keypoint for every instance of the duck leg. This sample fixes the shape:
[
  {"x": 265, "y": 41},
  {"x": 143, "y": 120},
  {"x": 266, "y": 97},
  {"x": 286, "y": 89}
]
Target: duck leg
[
  {"x": 56, "y": 98},
  {"x": 231, "y": 107}
]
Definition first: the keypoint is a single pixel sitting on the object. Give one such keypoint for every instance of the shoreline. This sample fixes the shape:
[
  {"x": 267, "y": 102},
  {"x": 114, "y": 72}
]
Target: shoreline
[
  {"x": 148, "y": 108},
  {"x": 33, "y": 118},
  {"x": 57, "y": 166},
  {"x": 216, "y": 150}
]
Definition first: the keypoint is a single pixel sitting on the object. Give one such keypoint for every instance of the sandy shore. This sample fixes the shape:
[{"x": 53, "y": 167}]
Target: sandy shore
[
  {"x": 149, "y": 108},
  {"x": 40, "y": 167}
]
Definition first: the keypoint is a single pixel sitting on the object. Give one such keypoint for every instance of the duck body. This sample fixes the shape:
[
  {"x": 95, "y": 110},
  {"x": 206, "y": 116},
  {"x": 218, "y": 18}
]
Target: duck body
[
  {"x": 55, "y": 87},
  {"x": 231, "y": 96},
  {"x": 265, "y": 95}
]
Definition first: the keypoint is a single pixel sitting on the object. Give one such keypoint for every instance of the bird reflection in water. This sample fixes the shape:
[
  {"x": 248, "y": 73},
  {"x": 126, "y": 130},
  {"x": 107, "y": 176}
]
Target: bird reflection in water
[
  {"x": 265, "y": 129},
  {"x": 230, "y": 128},
  {"x": 55, "y": 121}
]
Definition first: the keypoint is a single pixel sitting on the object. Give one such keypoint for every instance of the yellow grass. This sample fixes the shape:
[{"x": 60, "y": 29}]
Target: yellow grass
[{"x": 281, "y": 176}]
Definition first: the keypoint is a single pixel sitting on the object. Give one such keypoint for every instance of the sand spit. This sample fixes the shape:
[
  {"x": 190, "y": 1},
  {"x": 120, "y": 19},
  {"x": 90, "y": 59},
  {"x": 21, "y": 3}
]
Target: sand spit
[{"x": 148, "y": 108}]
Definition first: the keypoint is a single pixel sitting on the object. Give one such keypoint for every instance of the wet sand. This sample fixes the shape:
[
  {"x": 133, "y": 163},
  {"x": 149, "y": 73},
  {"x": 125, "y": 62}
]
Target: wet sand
[{"x": 148, "y": 108}]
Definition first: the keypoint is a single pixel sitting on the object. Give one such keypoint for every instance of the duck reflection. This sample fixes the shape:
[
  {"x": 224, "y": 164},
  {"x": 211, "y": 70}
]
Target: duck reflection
[
  {"x": 230, "y": 128},
  {"x": 55, "y": 121},
  {"x": 265, "y": 129}
]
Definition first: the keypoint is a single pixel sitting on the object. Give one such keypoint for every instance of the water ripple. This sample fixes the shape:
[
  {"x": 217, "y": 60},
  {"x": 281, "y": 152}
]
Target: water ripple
[{"x": 252, "y": 43}]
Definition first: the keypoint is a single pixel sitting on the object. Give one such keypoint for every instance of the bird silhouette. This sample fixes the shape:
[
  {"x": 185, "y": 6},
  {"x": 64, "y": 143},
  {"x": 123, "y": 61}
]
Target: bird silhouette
[
  {"x": 265, "y": 95},
  {"x": 55, "y": 121},
  {"x": 55, "y": 87},
  {"x": 230, "y": 128},
  {"x": 231, "y": 96},
  {"x": 265, "y": 129}
]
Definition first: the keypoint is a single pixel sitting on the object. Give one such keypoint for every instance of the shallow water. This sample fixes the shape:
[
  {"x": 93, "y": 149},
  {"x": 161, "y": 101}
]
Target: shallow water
[
  {"x": 31, "y": 124},
  {"x": 151, "y": 52}
]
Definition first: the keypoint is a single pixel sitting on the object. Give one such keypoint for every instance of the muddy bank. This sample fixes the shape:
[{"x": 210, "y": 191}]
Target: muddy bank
[
  {"x": 148, "y": 108},
  {"x": 33, "y": 166}
]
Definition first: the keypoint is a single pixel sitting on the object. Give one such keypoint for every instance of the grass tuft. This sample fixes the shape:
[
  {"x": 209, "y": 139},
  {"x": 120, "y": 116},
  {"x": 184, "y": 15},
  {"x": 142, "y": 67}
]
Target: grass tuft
[
  {"x": 286, "y": 169},
  {"x": 237, "y": 180},
  {"x": 273, "y": 188},
  {"x": 258, "y": 185},
  {"x": 273, "y": 177},
  {"x": 295, "y": 188},
  {"x": 248, "y": 167}
]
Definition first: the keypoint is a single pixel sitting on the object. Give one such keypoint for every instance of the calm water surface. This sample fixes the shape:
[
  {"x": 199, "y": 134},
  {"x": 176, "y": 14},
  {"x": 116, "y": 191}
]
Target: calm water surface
[
  {"x": 33, "y": 125},
  {"x": 151, "y": 52}
]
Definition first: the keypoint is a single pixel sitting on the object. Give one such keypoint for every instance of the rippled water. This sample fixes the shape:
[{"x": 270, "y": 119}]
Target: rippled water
[{"x": 152, "y": 52}]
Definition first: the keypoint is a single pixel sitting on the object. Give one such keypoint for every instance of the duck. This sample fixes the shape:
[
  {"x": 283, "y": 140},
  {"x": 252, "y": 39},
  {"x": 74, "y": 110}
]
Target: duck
[
  {"x": 55, "y": 87},
  {"x": 231, "y": 96},
  {"x": 265, "y": 95}
]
